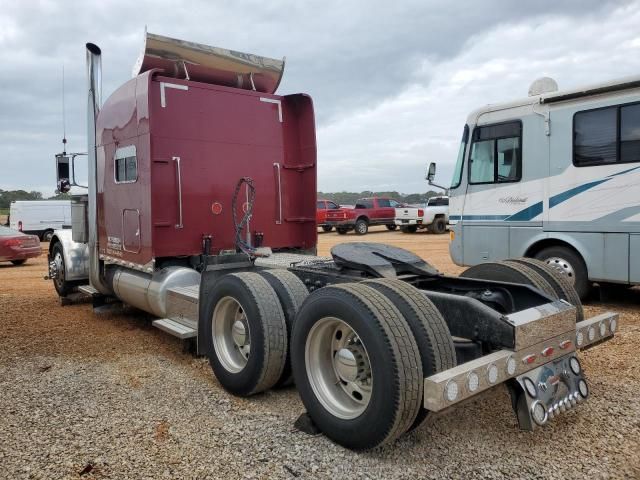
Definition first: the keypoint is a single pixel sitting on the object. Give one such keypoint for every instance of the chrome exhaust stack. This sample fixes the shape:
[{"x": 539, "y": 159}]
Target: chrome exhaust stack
[{"x": 94, "y": 102}]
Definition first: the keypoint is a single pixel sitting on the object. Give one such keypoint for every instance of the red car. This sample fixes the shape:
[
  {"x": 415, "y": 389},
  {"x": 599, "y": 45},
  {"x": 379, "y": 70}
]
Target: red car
[
  {"x": 321, "y": 213},
  {"x": 16, "y": 247},
  {"x": 367, "y": 212}
]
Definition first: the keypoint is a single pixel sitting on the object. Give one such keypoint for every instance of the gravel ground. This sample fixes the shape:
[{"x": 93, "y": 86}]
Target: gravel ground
[{"x": 109, "y": 396}]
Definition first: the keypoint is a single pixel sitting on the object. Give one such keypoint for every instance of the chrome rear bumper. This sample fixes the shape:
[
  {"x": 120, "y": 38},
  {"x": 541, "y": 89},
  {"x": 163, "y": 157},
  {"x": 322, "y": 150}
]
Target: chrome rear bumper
[{"x": 452, "y": 386}]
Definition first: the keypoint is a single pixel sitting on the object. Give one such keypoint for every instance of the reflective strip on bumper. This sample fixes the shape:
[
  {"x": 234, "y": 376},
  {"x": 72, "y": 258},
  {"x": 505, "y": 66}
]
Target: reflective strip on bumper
[{"x": 527, "y": 359}]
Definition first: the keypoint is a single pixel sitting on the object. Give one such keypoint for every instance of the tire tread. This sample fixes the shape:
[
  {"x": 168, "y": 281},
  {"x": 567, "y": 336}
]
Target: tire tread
[
  {"x": 274, "y": 328},
  {"x": 564, "y": 288},
  {"x": 399, "y": 338},
  {"x": 287, "y": 284}
]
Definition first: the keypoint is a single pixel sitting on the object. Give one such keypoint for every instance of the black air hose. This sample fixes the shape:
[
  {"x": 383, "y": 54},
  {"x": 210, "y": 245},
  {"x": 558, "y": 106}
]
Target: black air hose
[{"x": 239, "y": 227}]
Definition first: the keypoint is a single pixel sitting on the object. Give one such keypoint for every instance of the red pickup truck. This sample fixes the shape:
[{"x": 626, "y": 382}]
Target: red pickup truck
[
  {"x": 321, "y": 213},
  {"x": 366, "y": 213}
]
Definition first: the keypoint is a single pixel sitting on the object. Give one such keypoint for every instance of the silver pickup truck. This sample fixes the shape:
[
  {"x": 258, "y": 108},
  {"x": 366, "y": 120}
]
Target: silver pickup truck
[{"x": 433, "y": 216}]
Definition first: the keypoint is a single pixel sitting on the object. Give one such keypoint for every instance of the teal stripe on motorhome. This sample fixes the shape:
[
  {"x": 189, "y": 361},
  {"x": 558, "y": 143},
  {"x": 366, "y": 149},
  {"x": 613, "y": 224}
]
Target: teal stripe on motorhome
[
  {"x": 624, "y": 171},
  {"x": 564, "y": 196},
  {"x": 534, "y": 210},
  {"x": 478, "y": 217},
  {"x": 526, "y": 214},
  {"x": 561, "y": 197}
]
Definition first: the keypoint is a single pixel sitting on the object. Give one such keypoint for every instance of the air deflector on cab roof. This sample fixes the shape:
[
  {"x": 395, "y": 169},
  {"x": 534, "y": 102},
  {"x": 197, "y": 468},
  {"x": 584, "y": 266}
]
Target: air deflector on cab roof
[{"x": 203, "y": 63}]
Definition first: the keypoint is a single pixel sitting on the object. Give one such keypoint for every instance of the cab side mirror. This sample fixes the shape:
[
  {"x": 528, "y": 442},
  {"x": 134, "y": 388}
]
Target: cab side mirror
[
  {"x": 431, "y": 172},
  {"x": 63, "y": 173}
]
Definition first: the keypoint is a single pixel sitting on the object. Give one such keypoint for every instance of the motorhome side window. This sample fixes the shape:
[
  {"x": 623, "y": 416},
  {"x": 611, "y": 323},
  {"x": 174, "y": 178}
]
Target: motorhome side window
[
  {"x": 606, "y": 135},
  {"x": 496, "y": 153},
  {"x": 126, "y": 165}
]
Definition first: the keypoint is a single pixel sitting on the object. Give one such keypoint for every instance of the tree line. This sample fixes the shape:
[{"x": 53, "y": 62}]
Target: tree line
[
  {"x": 349, "y": 198},
  {"x": 341, "y": 198},
  {"x": 8, "y": 196}
]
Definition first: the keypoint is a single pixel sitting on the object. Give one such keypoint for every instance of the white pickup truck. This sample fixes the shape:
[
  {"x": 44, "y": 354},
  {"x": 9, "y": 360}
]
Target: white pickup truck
[{"x": 434, "y": 216}]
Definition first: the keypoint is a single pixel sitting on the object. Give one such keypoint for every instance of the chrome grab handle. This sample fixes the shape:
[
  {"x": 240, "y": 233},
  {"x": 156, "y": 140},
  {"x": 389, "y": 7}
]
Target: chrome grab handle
[
  {"x": 179, "y": 177},
  {"x": 279, "y": 181}
]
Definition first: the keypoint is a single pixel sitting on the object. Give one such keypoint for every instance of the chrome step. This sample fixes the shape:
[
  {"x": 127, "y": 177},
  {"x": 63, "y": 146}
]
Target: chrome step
[
  {"x": 175, "y": 328},
  {"x": 88, "y": 290},
  {"x": 182, "y": 312}
]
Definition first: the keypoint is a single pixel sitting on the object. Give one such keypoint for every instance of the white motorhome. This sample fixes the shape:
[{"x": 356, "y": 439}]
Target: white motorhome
[
  {"x": 40, "y": 217},
  {"x": 555, "y": 176}
]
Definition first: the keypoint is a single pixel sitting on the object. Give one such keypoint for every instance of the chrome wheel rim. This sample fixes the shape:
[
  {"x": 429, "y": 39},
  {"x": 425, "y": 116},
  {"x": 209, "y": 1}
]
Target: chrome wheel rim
[
  {"x": 231, "y": 334},
  {"x": 338, "y": 368},
  {"x": 362, "y": 227},
  {"x": 563, "y": 267},
  {"x": 59, "y": 263}
]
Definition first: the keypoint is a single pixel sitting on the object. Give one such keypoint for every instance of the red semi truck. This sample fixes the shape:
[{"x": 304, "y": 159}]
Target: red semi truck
[{"x": 201, "y": 211}]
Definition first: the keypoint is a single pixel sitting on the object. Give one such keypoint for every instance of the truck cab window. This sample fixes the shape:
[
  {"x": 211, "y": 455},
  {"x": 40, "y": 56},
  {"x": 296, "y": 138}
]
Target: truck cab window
[
  {"x": 496, "y": 153},
  {"x": 394, "y": 204},
  {"x": 332, "y": 206},
  {"x": 383, "y": 202},
  {"x": 457, "y": 171},
  {"x": 126, "y": 165}
]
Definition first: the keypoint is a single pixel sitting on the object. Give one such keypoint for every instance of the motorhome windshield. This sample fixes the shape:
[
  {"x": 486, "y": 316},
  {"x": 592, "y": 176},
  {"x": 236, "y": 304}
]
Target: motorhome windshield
[{"x": 457, "y": 172}]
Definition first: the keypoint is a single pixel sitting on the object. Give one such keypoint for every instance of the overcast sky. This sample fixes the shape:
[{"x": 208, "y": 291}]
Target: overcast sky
[{"x": 392, "y": 81}]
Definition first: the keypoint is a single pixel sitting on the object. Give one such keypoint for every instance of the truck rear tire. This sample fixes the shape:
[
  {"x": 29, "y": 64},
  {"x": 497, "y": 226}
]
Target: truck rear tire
[
  {"x": 361, "y": 227},
  {"x": 342, "y": 230},
  {"x": 509, "y": 272},
  {"x": 570, "y": 264},
  {"x": 409, "y": 229},
  {"x": 17, "y": 263},
  {"x": 558, "y": 282},
  {"x": 291, "y": 292},
  {"x": 356, "y": 365},
  {"x": 392, "y": 227},
  {"x": 47, "y": 236},
  {"x": 246, "y": 338},
  {"x": 429, "y": 328},
  {"x": 439, "y": 226},
  {"x": 327, "y": 228}
]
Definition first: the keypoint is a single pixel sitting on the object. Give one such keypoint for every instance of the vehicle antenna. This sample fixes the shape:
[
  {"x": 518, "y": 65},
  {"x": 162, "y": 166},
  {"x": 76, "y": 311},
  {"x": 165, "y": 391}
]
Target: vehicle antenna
[{"x": 64, "y": 122}]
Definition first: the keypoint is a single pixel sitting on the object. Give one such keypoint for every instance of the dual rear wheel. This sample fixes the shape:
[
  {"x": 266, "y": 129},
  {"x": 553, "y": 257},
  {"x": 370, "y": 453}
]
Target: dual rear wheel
[
  {"x": 247, "y": 339},
  {"x": 358, "y": 352},
  {"x": 529, "y": 271}
]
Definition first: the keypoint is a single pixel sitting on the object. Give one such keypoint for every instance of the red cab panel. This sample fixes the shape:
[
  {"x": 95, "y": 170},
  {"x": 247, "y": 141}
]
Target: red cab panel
[{"x": 172, "y": 152}]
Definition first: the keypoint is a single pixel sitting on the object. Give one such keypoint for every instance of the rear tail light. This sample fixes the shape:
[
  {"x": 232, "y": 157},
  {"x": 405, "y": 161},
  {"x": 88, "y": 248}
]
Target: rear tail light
[
  {"x": 420, "y": 212},
  {"x": 20, "y": 225},
  {"x": 547, "y": 352},
  {"x": 13, "y": 242},
  {"x": 565, "y": 344}
]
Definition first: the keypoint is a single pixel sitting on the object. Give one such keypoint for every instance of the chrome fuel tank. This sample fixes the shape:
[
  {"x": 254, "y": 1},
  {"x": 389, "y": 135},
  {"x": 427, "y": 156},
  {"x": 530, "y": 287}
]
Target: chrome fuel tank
[{"x": 149, "y": 292}]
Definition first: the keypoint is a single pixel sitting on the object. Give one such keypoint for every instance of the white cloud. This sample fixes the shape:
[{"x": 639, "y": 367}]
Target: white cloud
[
  {"x": 387, "y": 145},
  {"x": 392, "y": 82}
]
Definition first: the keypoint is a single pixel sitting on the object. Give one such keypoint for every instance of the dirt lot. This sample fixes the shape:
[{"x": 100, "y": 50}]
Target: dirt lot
[{"x": 91, "y": 396}]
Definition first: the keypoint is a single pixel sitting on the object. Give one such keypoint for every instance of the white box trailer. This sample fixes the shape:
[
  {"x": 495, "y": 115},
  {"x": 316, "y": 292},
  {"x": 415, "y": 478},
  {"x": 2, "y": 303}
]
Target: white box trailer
[
  {"x": 40, "y": 217},
  {"x": 555, "y": 177}
]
